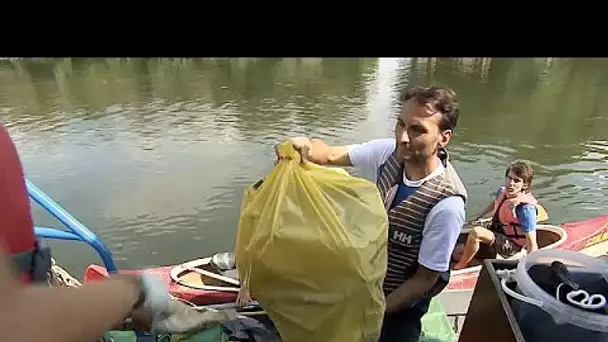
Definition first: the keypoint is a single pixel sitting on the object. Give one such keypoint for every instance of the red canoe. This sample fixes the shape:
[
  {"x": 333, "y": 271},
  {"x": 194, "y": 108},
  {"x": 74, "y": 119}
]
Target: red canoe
[
  {"x": 196, "y": 281},
  {"x": 201, "y": 283}
]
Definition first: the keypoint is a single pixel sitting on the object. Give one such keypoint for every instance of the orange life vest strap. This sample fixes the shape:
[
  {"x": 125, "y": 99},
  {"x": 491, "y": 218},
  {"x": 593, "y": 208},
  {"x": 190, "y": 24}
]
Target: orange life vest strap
[{"x": 498, "y": 227}]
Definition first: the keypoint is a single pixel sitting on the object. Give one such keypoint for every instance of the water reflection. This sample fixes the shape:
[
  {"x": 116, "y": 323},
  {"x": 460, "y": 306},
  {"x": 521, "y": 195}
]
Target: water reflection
[
  {"x": 547, "y": 111},
  {"x": 154, "y": 153}
]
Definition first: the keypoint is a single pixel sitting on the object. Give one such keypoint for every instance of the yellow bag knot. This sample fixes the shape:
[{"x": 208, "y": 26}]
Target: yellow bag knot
[{"x": 287, "y": 151}]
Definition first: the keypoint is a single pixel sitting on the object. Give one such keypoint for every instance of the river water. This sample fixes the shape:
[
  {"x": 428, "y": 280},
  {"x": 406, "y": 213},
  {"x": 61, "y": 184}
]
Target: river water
[{"x": 154, "y": 155}]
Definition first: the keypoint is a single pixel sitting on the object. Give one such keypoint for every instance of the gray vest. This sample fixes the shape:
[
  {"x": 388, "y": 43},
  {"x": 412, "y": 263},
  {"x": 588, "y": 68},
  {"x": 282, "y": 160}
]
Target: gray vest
[{"x": 406, "y": 219}]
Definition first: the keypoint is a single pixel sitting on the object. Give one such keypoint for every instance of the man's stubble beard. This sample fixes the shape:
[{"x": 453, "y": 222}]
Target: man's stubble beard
[{"x": 416, "y": 158}]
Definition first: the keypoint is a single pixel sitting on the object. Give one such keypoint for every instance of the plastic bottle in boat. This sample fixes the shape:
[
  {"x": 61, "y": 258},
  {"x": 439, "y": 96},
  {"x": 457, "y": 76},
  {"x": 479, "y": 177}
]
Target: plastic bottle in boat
[{"x": 224, "y": 261}]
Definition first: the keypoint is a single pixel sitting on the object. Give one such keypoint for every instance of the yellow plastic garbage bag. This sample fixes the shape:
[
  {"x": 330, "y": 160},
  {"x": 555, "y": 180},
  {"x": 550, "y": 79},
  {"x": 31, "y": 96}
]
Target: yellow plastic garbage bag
[{"x": 311, "y": 248}]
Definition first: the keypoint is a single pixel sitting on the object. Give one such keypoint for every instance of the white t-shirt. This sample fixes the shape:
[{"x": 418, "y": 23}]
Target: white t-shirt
[{"x": 443, "y": 223}]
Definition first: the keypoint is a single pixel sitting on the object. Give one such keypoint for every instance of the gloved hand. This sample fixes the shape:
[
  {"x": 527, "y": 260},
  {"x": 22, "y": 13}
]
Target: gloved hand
[
  {"x": 181, "y": 318},
  {"x": 153, "y": 299},
  {"x": 155, "y": 294},
  {"x": 160, "y": 312}
]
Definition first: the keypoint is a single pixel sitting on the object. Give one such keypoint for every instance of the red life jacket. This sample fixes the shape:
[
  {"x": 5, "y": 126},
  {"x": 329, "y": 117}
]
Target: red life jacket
[
  {"x": 16, "y": 225},
  {"x": 504, "y": 214}
]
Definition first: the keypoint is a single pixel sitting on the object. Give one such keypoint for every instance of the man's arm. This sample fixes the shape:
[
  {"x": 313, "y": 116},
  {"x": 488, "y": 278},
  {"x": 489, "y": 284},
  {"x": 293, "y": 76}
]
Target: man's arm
[
  {"x": 526, "y": 215},
  {"x": 318, "y": 152},
  {"x": 439, "y": 237},
  {"x": 412, "y": 290},
  {"x": 531, "y": 243},
  {"x": 39, "y": 313},
  {"x": 367, "y": 156}
]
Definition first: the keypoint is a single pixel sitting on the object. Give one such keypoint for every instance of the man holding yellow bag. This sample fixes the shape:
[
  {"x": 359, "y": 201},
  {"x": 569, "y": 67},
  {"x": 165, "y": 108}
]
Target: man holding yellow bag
[{"x": 424, "y": 198}]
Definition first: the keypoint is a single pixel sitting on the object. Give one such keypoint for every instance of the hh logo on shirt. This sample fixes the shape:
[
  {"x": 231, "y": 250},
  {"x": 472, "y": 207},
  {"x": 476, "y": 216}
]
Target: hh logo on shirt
[{"x": 402, "y": 237}]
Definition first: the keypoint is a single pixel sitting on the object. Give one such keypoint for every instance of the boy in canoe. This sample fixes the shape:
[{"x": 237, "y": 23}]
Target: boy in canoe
[
  {"x": 424, "y": 198},
  {"x": 515, "y": 212}
]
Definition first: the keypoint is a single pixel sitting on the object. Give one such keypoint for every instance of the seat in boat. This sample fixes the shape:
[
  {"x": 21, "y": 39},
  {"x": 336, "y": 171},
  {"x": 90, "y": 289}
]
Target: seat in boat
[
  {"x": 204, "y": 275},
  {"x": 548, "y": 236}
]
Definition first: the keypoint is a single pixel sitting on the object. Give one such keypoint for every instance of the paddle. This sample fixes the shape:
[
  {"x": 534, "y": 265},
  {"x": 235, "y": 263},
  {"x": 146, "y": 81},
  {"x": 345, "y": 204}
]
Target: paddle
[{"x": 213, "y": 275}]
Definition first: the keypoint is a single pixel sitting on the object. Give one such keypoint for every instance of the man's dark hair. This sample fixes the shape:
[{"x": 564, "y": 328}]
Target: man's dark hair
[{"x": 437, "y": 99}]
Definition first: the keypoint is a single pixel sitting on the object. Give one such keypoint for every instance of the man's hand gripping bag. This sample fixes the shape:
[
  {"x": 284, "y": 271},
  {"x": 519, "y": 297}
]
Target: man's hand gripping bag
[{"x": 311, "y": 248}]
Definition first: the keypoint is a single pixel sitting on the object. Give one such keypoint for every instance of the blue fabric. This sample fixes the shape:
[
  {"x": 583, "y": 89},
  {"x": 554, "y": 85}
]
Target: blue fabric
[
  {"x": 526, "y": 214},
  {"x": 403, "y": 192}
]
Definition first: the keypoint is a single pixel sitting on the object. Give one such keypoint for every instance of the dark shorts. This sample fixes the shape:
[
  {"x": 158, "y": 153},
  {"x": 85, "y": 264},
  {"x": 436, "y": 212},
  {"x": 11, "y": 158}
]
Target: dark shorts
[
  {"x": 405, "y": 325},
  {"x": 504, "y": 246}
]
